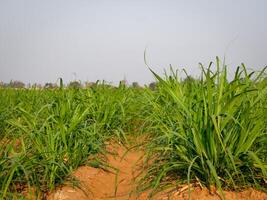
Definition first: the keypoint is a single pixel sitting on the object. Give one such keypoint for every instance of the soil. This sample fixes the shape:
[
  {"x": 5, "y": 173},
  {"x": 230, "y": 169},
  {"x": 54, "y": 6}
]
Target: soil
[{"x": 99, "y": 184}]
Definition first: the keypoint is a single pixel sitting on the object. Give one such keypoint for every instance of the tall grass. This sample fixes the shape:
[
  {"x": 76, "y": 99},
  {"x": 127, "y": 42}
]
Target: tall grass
[
  {"x": 210, "y": 131},
  {"x": 46, "y": 134}
]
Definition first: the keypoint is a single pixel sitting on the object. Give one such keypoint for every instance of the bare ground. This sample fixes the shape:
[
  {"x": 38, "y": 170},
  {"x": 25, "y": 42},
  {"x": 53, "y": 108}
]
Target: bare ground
[{"x": 99, "y": 184}]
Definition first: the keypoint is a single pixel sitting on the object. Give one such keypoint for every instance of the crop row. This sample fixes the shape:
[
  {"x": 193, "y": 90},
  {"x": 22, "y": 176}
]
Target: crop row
[{"x": 208, "y": 130}]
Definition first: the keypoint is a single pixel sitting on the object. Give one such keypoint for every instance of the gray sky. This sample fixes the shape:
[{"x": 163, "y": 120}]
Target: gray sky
[{"x": 89, "y": 40}]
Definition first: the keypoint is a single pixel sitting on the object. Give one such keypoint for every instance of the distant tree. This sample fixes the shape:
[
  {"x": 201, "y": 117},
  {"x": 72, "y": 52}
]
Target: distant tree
[
  {"x": 16, "y": 84},
  {"x": 50, "y": 86},
  {"x": 75, "y": 85},
  {"x": 153, "y": 85},
  {"x": 36, "y": 86},
  {"x": 135, "y": 85},
  {"x": 90, "y": 84},
  {"x": 4, "y": 85},
  {"x": 123, "y": 83}
]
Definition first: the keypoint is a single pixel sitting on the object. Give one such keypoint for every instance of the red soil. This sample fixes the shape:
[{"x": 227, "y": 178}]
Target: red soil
[{"x": 98, "y": 184}]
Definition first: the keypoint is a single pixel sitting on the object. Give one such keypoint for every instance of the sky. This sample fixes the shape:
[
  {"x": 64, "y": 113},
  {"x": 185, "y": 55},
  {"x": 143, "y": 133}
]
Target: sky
[{"x": 88, "y": 40}]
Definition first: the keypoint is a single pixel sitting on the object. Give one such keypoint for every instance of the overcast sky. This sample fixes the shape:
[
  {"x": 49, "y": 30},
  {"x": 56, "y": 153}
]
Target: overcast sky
[{"x": 41, "y": 40}]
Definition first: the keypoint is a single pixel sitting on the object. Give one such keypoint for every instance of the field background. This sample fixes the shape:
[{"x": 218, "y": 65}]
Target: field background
[{"x": 208, "y": 131}]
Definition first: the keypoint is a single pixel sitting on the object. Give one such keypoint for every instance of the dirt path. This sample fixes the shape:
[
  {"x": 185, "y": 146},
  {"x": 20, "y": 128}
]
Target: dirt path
[{"x": 98, "y": 184}]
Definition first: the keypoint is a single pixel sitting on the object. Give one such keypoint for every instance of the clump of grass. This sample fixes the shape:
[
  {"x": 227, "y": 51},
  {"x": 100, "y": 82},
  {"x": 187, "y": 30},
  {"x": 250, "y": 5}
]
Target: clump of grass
[{"x": 209, "y": 130}]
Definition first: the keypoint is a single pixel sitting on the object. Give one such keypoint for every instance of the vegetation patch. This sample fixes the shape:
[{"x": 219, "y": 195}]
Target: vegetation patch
[{"x": 208, "y": 131}]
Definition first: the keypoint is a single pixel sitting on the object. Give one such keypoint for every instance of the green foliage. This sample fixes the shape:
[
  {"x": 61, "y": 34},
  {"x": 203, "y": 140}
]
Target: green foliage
[
  {"x": 211, "y": 131},
  {"x": 46, "y": 134}
]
